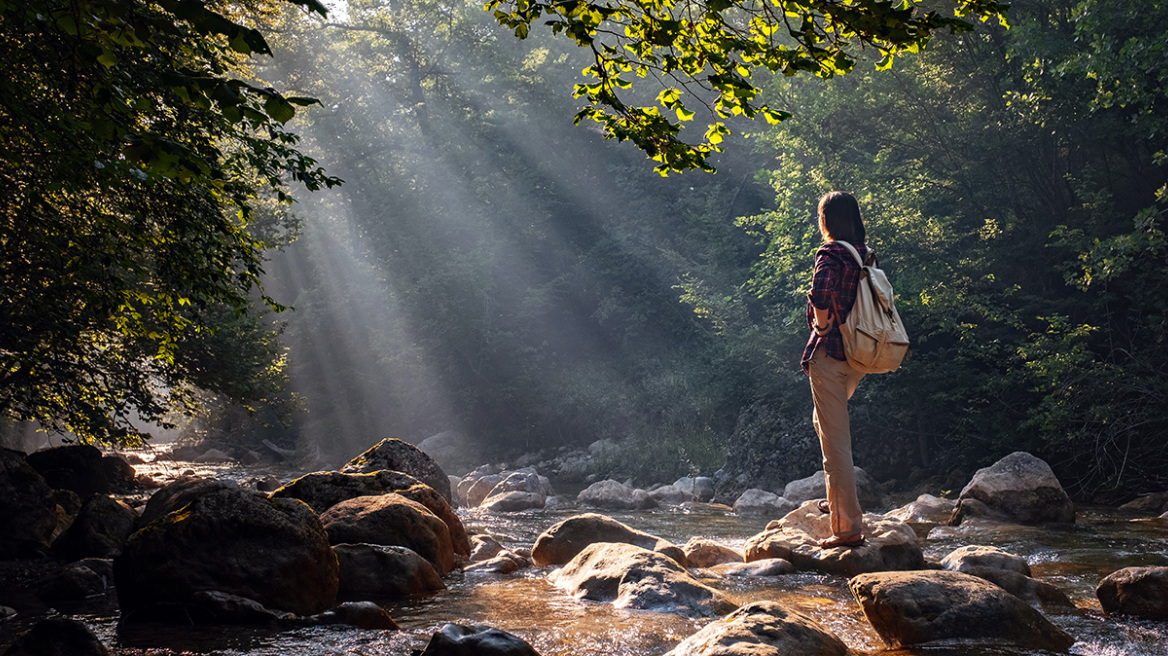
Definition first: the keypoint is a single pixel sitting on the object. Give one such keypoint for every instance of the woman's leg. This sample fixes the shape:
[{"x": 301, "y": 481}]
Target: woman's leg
[{"x": 832, "y": 384}]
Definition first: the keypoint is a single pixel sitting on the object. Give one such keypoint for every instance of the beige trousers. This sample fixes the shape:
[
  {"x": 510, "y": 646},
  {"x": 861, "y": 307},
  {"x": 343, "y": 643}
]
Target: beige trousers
[{"x": 832, "y": 383}]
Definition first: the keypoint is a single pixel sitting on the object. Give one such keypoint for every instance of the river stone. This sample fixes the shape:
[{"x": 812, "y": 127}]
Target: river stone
[
  {"x": 762, "y": 628},
  {"x": 474, "y": 488},
  {"x": 1154, "y": 503},
  {"x": 29, "y": 515},
  {"x": 396, "y": 455},
  {"x": 815, "y": 487},
  {"x": 964, "y": 558},
  {"x": 699, "y": 488},
  {"x": 484, "y": 547},
  {"x": 323, "y": 490},
  {"x": 453, "y": 451},
  {"x": 361, "y": 614},
  {"x": 915, "y": 608},
  {"x": 669, "y": 495},
  {"x": 764, "y": 567},
  {"x": 700, "y": 552},
  {"x": 215, "y": 607},
  {"x": 58, "y": 636},
  {"x": 523, "y": 489},
  {"x": 100, "y": 530},
  {"x": 75, "y": 467},
  {"x": 505, "y": 562},
  {"x": 1032, "y": 591},
  {"x": 73, "y": 583},
  {"x": 380, "y": 571},
  {"x": 633, "y": 577},
  {"x": 560, "y": 543},
  {"x": 1136, "y": 591},
  {"x": 925, "y": 513},
  {"x": 760, "y": 502},
  {"x": 614, "y": 495},
  {"x": 476, "y": 640},
  {"x": 1018, "y": 488},
  {"x": 391, "y": 519},
  {"x": 179, "y": 493},
  {"x": 212, "y": 456},
  {"x": 273, "y": 551},
  {"x": 889, "y": 544}
]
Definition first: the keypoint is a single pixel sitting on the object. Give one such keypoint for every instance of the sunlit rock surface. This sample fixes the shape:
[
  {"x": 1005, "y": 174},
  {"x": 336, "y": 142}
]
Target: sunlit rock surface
[
  {"x": 58, "y": 636},
  {"x": 376, "y": 571},
  {"x": 523, "y": 489},
  {"x": 763, "y": 628},
  {"x": 669, "y": 495},
  {"x": 504, "y": 562},
  {"x": 764, "y": 567},
  {"x": 614, "y": 495},
  {"x": 1136, "y": 591},
  {"x": 870, "y": 493},
  {"x": 476, "y": 640},
  {"x": 700, "y": 552},
  {"x": 396, "y": 455},
  {"x": 28, "y": 513},
  {"x": 483, "y": 547},
  {"x": 968, "y": 557},
  {"x": 273, "y": 551},
  {"x": 699, "y": 488},
  {"x": 916, "y": 608},
  {"x": 924, "y": 513},
  {"x": 391, "y": 519},
  {"x": 1007, "y": 571},
  {"x": 100, "y": 530},
  {"x": 889, "y": 544},
  {"x": 178, "y": 494},
  {"x": 1018, "y": 488},
  {"x": 361, "y": 614},
  {"x": 323, "y": 490},
  {"x": 760, "y": 502},
  {"x": 629, "y": 576},
  {"x": 560, "y": 543}
]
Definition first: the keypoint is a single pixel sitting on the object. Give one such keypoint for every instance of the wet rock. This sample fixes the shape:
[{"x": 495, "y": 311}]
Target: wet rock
[
  {"x": 178, "y": 494},
  {"x": 764, "y": 567},
  {"x": 916, "y": 608},
  {"x": 118, "y": 473},
  {"x": 1136, "y": 591},
  {"x": 476, "y": 640},
  {"x": 323, "y": 490},
  {"x": 1018, "y": 488},
  {"x": 1154, "y": 503},
  {"x": 28, "y": 513},
  {"x": 361, "y": 614},
  {"x": 484, "y": 547},
  {"x": 391, "y": 519},
  {"x": 475, "y": 487},
  {"x": 629, "y": 576},
  {"x": 75, "y": 467},
  {"x": 454, "y": 452},
  {"x": 700, "y": 552},
  {"x": 614, "y": 495},
  {"x": 74, "y": 583},
  {"x": 213, "y": 456},
  {"x": 762, "y": 628},
  {"x": 889, "y": 544},
  {"x": 699, "y": 488},
  {"x": 376, "y": 571},
  {"x": 668, "y": 495},
  {"x": 925, "y": 513},
  {"x": 1032, "y": 591},
  {"x": 505, "y": 562},
  {"x": 58, "y": 636},
  {"x": 100, "y": 530},
  {"x": 396, "y": 455},
  {"x": 215, "y": 607},
  {"x": 560, "y": 543},
  {"x": 760, "y": 502},
  {"x": 869, "y": 491},
  {"x": 518, "y": 490},
  {"x": 230, "y": 540},
  {"x": 968, "y": 557}
]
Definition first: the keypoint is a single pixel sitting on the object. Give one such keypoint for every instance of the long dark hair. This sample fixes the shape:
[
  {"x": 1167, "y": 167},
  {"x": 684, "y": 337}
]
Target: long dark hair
[{"x": 839, "y": 218}]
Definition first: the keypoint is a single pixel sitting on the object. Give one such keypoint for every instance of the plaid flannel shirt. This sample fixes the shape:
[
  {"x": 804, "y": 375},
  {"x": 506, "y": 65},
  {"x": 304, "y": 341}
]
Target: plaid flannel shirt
[{"x": 833, "y": 288}]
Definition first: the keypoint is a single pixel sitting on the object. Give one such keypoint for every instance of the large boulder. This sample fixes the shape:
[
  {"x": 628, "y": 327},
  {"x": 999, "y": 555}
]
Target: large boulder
[
  {"x": 476, "y": 640},
  {"x": 75, "y": 467},
  {"x": 963, "y": 559},
  {"x": 230, "y": 540},
  {"x": 396, "y": 455},
  {"x": 1018, "y": 488},
  {"x": 1136, "y": 591},
  {"x": 376, "y": 571},
  {"x": 668, "y": 495},
  {"x": 560, "y": 543},
  {"x": 1153, "y": 503},
  {"x": 454, "y": 452},
  {"x": 629, "y": 576},
  {"x": 100, "y": 530},
  {"x": 1039, "y": 594},
  {"x": 391, "y": 519},
  {"x": 523, "y": 489},
  {"x": 925, "y": 513},
  {"x": 614, "y": 495},
  {"x": 699, "y": 488},
  {"x": 58, "y": 636},
  {"x": 762, "y": 628},
  {"x": 29, "y": 515},
  {"x": 760, "y": 502},
  {"x": 323, "y": 490},
  {"x": 178, "y": 494},
  {"x": 916, "y": 608},
  {"x": 888, "y": 544},
  {"x": 868, "y": 490}
]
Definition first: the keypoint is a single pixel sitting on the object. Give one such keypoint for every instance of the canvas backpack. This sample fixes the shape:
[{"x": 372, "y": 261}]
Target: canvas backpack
[{"x": 874, "y": 337}]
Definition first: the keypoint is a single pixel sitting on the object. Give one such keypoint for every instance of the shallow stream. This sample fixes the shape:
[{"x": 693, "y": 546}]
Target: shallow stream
[{"x": 556, "y": 624}]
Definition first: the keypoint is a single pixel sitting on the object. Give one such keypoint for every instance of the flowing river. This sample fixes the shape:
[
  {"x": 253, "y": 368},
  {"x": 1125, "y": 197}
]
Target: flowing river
[{"x": 556, "y": 624}]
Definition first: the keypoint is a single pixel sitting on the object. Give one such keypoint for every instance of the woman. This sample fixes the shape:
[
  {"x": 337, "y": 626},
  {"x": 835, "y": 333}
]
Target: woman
[{"x": 833, "y": 291}]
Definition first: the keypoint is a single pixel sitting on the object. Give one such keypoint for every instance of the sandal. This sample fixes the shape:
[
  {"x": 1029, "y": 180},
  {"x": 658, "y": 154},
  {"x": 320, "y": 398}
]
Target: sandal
[
  {"x": 823, "y": 507},
  {"x": 848, "y": 541}
]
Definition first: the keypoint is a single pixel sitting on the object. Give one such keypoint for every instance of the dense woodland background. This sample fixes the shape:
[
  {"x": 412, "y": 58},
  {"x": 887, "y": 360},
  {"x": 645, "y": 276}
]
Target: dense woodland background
[{"x": 489, "y": 268}]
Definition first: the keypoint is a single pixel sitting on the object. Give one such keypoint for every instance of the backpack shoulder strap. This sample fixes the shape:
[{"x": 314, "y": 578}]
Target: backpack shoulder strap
[{"x": 852, "y": 249}]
